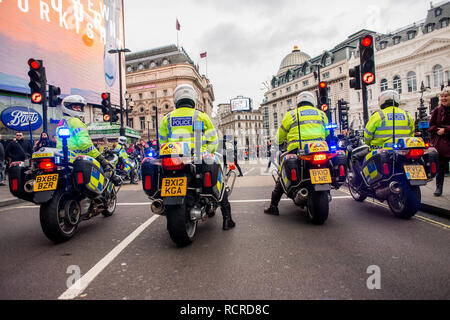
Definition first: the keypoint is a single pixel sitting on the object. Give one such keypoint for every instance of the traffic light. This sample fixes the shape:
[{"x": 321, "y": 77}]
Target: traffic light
[
  {"x": 367, "y": 58},
  {"x": 53, "y": 96},
  {"x": 114, "y": 114},
  {"x": 323, "y": 96},
  {"x": 106, "y": 106},
  {"x": 343, "y": 114},
  {"x": 355, "y": 78},
  {"x": 38, "y": 81}
]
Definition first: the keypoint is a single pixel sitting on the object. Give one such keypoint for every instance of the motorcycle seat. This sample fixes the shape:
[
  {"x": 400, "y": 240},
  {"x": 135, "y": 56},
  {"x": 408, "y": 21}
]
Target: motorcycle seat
[{"x": 359, "y": 153}]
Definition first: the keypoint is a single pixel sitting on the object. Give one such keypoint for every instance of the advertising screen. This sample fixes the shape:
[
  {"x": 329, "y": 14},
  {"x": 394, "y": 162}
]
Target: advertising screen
[
  {"x": 71, "y": 37},
  {"x": 240, "y": 104}
]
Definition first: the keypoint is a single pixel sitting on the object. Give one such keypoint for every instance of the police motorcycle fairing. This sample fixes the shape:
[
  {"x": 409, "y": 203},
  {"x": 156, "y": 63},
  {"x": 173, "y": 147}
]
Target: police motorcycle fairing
[
  {"x": 184, "y": 188},
  {"x": 394, "y": 174},
  {"x": 126, "y": 166},
  {"x": 68, "y": 188},
  {"x": 308, "y": 176}
]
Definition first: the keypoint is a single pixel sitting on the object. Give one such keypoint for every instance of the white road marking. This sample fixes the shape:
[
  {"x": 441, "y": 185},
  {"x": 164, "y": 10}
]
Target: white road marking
[
  {"x": 266, "y": 200},
  {"x": 78, "y": 287},
  {"x": 249, "y": 171}
]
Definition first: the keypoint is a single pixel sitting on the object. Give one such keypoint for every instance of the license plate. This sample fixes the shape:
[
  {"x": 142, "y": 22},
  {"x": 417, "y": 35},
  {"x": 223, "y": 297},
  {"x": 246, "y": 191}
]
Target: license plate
[
  {"x": 415, "y": 172},
  {"x": 320, "y": 176},
  {"x": 174, "y": 187},
  {"x": 46, "y": 182}
]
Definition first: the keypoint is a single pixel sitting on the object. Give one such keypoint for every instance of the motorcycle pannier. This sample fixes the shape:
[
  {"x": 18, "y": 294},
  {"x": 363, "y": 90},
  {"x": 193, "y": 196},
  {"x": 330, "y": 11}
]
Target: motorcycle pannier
[
  {"x": 431, "y": 160},
  {"x": 88, "y": 176},
  {"x": 377, "y": 165},
  {"x": 150, "y": 173},
  {"x": 17, "y": 180},
  {"x": 339, "y": 171}
]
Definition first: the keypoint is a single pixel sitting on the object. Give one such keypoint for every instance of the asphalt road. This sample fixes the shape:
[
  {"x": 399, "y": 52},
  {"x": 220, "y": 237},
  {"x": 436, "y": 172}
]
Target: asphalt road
[{"x": 130, "y": 255}]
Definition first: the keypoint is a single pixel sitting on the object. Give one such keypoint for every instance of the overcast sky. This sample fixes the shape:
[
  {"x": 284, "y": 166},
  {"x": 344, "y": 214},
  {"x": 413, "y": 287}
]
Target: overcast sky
[{"x": 246, "y": 40}]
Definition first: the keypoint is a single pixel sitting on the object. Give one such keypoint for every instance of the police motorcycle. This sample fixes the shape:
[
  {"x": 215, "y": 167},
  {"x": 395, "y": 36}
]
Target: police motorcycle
[
  {"x": 127, "y": 166},
  {"x": 68, "y": 187},
  {"x": 184, "y": 187},
  {"x": 393, "y": 173},
  {"x": 308, "y": 176}
]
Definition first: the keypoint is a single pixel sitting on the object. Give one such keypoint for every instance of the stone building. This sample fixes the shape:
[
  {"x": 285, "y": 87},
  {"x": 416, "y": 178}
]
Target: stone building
[{"x": 151, "y": 78}]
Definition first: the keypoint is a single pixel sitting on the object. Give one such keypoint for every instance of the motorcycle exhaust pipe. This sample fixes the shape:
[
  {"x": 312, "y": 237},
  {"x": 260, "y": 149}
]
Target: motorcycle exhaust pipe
[
  {"x": 29, "y": 186},
  {"x": 196, "y": 213},
  {"x": 395, "y": 187},
  {"x": 383, "y": 193},
  {"x": 301, "y": 196},
  {"x": 157, "y": 207}
]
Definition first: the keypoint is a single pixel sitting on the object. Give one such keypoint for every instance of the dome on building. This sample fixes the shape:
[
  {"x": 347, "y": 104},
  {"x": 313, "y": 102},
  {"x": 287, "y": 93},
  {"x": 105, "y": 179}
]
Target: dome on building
[{"x": 293, "y": 59}]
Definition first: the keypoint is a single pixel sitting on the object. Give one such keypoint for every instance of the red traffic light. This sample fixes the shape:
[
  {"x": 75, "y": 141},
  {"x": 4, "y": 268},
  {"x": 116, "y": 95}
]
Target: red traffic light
[
  {"x": 105, "y": 96},
  {"x": 154, "y": 142},
  {"x": 106, "y": 117},
  {"x": 368, "y": 78},
  {"x": 367, "y": 41},
  {"x": 34, "y": 64},
  {"x": 324, "y": 107},
  {"x": 322, "y": 85},
  {"x": 36, "y": 97}
]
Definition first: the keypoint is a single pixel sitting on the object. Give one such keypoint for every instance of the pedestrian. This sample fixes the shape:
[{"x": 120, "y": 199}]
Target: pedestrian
[
  {"x": 440, "y": 137},
  {"x": 19, "y": 149},
  {"x": 52, "y": 143},
  {"x": 271, "y": 156},
  {"x": 2, "y": 165},
  {"x": 130, "y": 149},
  {"x": 236, "y": 159},
  {"x": 43, "y": 142}
]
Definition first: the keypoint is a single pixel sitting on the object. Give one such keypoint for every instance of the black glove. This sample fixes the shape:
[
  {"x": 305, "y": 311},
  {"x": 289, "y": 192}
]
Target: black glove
[{"x": 104, "y": 163}]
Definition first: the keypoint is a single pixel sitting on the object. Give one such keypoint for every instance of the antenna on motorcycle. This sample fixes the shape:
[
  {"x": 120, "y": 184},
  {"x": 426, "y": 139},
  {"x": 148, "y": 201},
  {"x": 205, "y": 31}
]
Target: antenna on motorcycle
[
  {"x": 299, "y": 133},
  {"x": 393, "y": 125}
]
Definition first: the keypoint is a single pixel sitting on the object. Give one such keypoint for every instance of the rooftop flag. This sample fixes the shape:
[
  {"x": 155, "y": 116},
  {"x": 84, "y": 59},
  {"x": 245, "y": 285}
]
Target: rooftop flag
[
  {"x": 178, "y": 26},
  {"x": 203, "y": 55}
]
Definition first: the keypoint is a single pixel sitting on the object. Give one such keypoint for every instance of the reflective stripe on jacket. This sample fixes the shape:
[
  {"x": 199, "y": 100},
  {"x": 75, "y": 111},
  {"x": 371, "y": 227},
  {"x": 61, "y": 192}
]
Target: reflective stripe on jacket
[
  {"x": 379, "y": 129},
  {"x": 79, "y": 141},
  {"x": 178, "y": 126},
  {"x": 312, "y": 122}
]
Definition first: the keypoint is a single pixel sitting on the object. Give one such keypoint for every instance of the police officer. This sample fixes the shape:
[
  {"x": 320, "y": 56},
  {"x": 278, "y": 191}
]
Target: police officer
[
  {"x": 312, "y": 123},
  {"x": 380, "y": 127},
  {"x": 79, "y": 141},
  {"x": 178, "y": 126},
  {"x": 121, "y": 150}
]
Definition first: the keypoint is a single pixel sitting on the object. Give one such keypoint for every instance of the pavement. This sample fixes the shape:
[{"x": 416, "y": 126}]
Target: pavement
[{"x": 130, "y": 255}]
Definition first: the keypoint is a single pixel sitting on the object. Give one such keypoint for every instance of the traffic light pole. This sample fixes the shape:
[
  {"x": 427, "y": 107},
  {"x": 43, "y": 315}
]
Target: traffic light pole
[
  {"x": 44, "y": 111},
  {"x": 365, "y": 105},
  {"x": 122, "y": 129}
]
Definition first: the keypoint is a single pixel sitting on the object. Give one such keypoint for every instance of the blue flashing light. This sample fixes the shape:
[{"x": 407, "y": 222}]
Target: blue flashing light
[
  {"x": 333, "y": 148},
  {"x": 395, "y": 146},
  {"x": 57, "y": 160},
  {"x": 150, "y": 154},
  {"x": 331, "y": 126},
  {"x": 63, "y": 132}
]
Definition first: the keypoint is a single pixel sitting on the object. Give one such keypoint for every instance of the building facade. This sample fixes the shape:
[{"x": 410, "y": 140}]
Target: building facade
[{"x": 151, "y": 78}]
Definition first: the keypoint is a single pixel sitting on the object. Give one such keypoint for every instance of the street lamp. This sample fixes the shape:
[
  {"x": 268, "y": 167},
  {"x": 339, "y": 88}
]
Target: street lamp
[{"x": 119, "y": 52}]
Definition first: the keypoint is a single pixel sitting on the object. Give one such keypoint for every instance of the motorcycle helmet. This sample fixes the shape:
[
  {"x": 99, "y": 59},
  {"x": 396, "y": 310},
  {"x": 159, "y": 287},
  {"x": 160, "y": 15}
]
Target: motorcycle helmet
[
  {"x": 74, "y": 101},
  {"x": 122, "y": 140},
  {"x": 306, "y": 98},
  {"x": 389, "y": 98},
  {"x": 185, "y": 94}
]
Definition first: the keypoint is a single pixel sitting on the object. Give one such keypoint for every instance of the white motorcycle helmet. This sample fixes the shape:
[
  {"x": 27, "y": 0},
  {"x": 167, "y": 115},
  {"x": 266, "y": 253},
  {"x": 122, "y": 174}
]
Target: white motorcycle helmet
[
  {"x": 389, "y": 98},
  {"x": 122, "y": 140},
  {"x": 69, "y": 102},
  {"x": 185, "y": 93},
  {"x": 306, "y": 96}
]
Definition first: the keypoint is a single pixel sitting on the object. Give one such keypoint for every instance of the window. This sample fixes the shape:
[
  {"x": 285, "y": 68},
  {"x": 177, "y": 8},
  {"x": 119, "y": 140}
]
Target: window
[
  {"x": 326, "y": 75},
  {"x": 396, "y": 40},
  {"x": 342, "y": 85},
  {"x": 328, "y": 61},
  {"x": 412, "y": 81},
  {"x": 153, "y": 94},
  {"x": 165, "y": 92},
  {"x": 239, "y": 117},
  {"x": 307, "y": 70},
  {"x": 141, "y": 109},
  {"x": 288, "y": 89},
  {"x": 340, "y": 69},
  {"x": 437, "y": 12},
  {"x": 153, "y": 122},
  {"x": 397, "y": 82},
  {"x": 438, "y": 75},
  {"x": 305, "y": 83},
  {"x": 275, "y": 120},
  {"x": 165, "y": 62},
  {"x": 140, "y": 66},
  {"x": 383, "y": 45},
  {"x": 153, "y": 64},
  {"x": 296, "y": 86},
  {"x": 428, "y": 82},
  {"x": 444, "y": 23},
  {"x": 142, "y": 122},
  {"x": 411, "y": 35},
  {"x": 383, "y": 85},
  {"x": 274, "y": 94},
  {"x": 129, "y": 69},
  {"x": 289, "y": 102},
  {"x": 140, "y": 95},
  {"x": 429, "y": 28},
  {"x": 130, "y": 122}
]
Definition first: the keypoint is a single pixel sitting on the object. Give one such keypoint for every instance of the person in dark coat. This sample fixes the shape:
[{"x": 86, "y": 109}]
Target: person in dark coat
[
  {"x": 19, "y": 149},
  {"x": 2, "y": 165},
  {"x": 236, "y": 159},
  {"x": 440, "y": 137},
  {"x": 43, "y": 142}
]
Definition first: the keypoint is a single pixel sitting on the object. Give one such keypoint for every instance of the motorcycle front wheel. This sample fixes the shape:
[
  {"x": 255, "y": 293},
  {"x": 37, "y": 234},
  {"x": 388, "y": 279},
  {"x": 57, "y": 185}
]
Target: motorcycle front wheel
[
  {"x": 318, "y": 207},
  {"x": 407, "y": 203},
  {"x": 180, "y": 228},
  {"x": 60, "y": 217}
]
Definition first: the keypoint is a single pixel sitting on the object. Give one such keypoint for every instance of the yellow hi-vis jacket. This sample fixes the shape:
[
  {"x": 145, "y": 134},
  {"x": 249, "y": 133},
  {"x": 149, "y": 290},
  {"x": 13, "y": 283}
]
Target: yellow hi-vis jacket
[
  {"x": 79, "y": 141},
  {"x": 379, "y": 129},
  {"x": 312, "y": 123},
  {"x": 178, "y": 126}
]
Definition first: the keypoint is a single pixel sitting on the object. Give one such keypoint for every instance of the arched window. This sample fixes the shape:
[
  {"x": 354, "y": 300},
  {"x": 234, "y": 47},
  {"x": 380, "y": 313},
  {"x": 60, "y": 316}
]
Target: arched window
[
  {"x": 140, "y": 66},
  {"x": 383, "y": 85},
  {"x": 438, "y": 75},
  {"x": 412, "y": 81},
  {"x": 397, "y": 82}
]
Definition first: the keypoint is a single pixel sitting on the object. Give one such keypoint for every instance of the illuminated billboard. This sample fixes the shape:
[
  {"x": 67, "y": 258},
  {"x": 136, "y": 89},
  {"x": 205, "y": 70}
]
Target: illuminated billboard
[
  {"x": 240, "y": 104},
  {"x": 71, "y": 37}
]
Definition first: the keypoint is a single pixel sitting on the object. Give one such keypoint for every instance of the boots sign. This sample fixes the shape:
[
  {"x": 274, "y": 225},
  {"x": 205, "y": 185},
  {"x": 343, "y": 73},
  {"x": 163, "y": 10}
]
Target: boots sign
[{"x": 21, "y": 118}]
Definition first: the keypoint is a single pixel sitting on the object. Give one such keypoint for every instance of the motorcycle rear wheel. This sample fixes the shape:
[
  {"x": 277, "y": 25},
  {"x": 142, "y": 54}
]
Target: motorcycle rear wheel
[
  {"x": 180, "y": 228},
  {"x": 111, "y": 204},
  {"x": 54, "y": 222},
  {"x": 407, "y": 203},
  {"x": 318, "y": 207}
]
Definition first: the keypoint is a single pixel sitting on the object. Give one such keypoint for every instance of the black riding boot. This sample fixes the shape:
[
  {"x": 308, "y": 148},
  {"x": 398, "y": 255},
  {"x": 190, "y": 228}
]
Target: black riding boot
[
  {"x": 277, "y": 193},
  {"x": 439, "y": 181},
  {"x": 225, "y": 207}
]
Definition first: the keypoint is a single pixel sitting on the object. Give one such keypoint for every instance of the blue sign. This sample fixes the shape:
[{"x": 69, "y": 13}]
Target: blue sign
[{"x": 20, "y": 118}]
